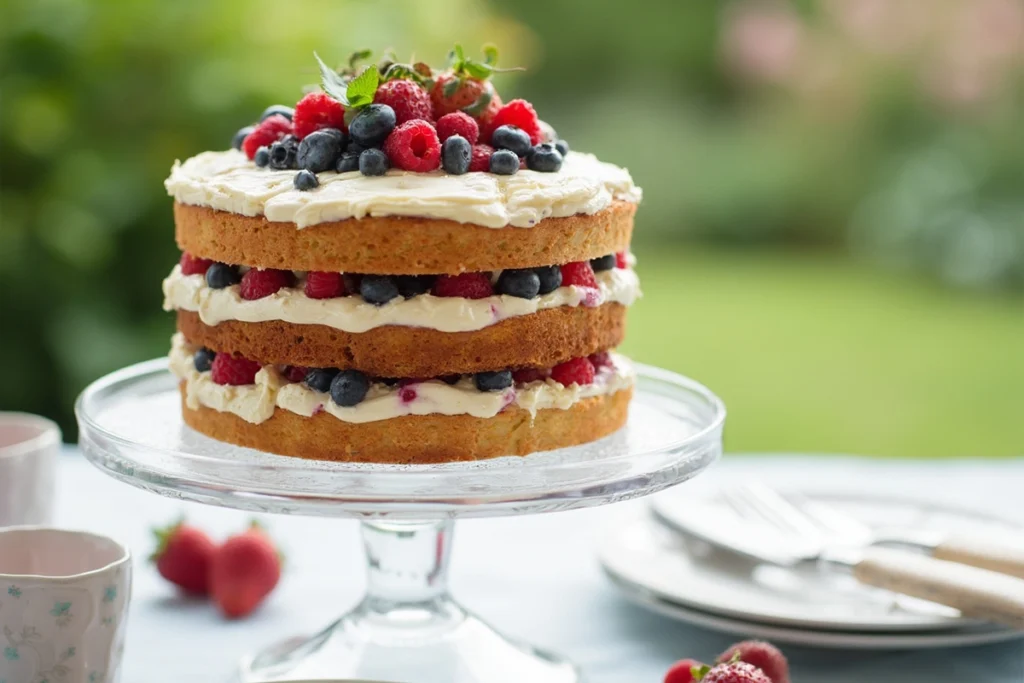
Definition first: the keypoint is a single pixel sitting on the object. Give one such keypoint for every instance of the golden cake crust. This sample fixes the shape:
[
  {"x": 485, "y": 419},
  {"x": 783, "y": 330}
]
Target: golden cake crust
[
  {"x": 419, "y": 439},
  {"x": 395, "y": 245},
  {"x": 541, "y": 340}
]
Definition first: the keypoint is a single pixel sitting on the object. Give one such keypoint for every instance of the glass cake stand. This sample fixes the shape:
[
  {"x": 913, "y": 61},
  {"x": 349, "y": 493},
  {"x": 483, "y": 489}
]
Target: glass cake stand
[{"x": 407, "y": 628}]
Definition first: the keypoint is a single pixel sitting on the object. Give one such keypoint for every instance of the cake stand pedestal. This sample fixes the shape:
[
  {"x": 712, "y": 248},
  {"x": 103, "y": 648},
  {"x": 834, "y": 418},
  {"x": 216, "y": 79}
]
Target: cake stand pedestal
[{"x": 407, "y": 628}]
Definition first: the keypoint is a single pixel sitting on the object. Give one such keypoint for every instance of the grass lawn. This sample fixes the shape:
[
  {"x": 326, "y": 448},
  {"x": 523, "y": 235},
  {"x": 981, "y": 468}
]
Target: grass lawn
[{"x": 813, "y": 352}]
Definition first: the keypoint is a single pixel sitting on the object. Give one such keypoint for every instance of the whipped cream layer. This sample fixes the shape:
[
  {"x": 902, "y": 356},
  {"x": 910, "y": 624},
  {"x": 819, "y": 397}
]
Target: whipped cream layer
[
  {"x": 255, "y": 403},
  {"x": 228, "y": 181},
  {"x": 354, "y": 315}
]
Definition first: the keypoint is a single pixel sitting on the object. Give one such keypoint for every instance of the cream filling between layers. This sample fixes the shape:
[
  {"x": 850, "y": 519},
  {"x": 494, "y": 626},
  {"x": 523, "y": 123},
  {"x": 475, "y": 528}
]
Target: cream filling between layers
[
  {"x": 256, "y": 402},
  {"x": 354, "y": 315},
  {"x": 228, "y": 181}
]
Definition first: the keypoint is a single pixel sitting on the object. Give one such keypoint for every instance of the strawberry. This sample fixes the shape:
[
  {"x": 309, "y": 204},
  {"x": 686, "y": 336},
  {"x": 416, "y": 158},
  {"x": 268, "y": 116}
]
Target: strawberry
[
  {"x": 682, "y": 671},
  {"x": 183, "y": 555},
  {"x": 465, "y": 87},
  {"x": 735, "y": 672},
  {"x": 764, "y": 656},
  {"x": 245, "y": 569}
]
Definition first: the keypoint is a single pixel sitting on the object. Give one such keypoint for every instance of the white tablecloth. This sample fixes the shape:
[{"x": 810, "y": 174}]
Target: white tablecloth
[{"x": 534, "y": 577}]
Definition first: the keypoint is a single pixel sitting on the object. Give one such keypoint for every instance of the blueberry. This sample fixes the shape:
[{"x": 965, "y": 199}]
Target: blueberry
[
  {"x": 550, "y": 278},
  {"x": 511, "y": 138},
  {"x": 563, "y": 147},
  {"x": 388, "y": 381},
  {"x": 504, "y": 162},
  {"x": 372, "y": 124},
  {"x": 283, "y": 152},
  {"x": 356, "y": 148},
  {"x": 319, "y": 151},
  {"x": 603, "y": 263},
  {"x": 374, "y": 162},
  {"x": 451, "y": 379},
  {"x": 221, "y": 275},
  {"x": 524, "y": 283},
  {"x": 262, "y": 157},
  {"x": 337, "y": 133},
  {"x": 493, "y": 381},
  {"x": 456, "y": 153},
  {"x": 349, "y": 387},
  {"x": 240, "y": 136},
  {"x": 319, "y": 379},
  {"x": 305, "y": 180},
  {"x": 284, "y": 111},
  {"x": 412, "y": 285},
  {"x": 378, "y": 289},
  {"x": 544, "y": 158},
  {"x": 203, "y": 359},
  {"x": 347, "y": 162}
]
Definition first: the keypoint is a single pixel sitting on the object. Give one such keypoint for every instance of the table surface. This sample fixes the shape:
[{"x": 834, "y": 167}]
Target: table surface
[{"x": 535, "y": 577}]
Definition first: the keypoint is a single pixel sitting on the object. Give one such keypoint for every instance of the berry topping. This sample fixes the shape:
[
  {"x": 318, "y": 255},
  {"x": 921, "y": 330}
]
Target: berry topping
[
  {"x": 481, "y": 159},
  {"x": 373, "y": 162},
  {"x": 579, "y": 274},
  {"x": 601, "y": 359},
  {"x": 315, "y": 111},
  {"x": 321, "y": 285},
  {"x": 451, "y": 380},
  {"x": 562, "y": 146},
  {"x": 193, "y": 265},
  {"x": 270, "y": 130},
  {"x": 319, "y": 379},
  {"x": 407, "y": 99},
  {"x": 262, "y": 158},
  {"x": 521, "y": 114},
  {"x": 294, "y": 373},
  {"x": 737, "y": 672},
  {"x": 524, "y": 283},
  {"x": 349, "y": 387},
  {"x": 319, "y": 150},
  {"x": 575, "y": 371},
  {"x": 465, "y": 285},
  {"x": 544, "y": 158},
  {"x": 378, "y": 289},
  {"x": 280, "y": 109},
  {"x": 503, "y": 162},
  {"x": 414, "y": 146},
  {"x": 221, "y": 275},
  {"x": 458, "y": 123},
  {"x": 348, "y": 161},
  {"x": 412, "y": 285},
  {"x": 203, "y": 359},
  {"x": 603, "y": 263},
  {"x": 550, "y": 278},
  {"x": 305, "y": 180},
  {"x": 240, "y": 136},
  {"x": 621, "y": 260},
  {"x": 258, "y": 283},
  {"x": 527, "y": 375},
  {"x": 682, "y": 671},
  {"x": 235, "y": 370},
  {"x": 372, "y": 125},
  {"x": 283, "y": 153},
  {"x": 456, "y": 154},
  {"x": 454, "y": 92},
  {"x": 406, "y": 394},
  {"x": 513, "y": 139},
  {"x": 762, "y": 655},
  {"x": 493, "y": 381}
]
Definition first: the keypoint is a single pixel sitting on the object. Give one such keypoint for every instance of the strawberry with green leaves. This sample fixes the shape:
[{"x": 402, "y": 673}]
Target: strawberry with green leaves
[{"x": 466, "y": 86}]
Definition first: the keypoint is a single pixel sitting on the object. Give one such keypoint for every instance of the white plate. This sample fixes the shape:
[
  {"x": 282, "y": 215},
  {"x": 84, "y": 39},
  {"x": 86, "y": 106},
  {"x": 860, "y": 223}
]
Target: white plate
[{"x": 647, "y": 556}]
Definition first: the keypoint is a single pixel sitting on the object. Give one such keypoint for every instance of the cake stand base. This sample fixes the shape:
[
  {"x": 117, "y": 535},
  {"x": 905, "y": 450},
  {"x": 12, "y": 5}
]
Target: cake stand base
[{"x": 407, "y": 628}]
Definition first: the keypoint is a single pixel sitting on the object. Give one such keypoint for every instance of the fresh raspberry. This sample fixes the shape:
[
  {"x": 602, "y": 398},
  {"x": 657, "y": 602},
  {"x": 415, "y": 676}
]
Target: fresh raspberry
[
  {"x": 258, "y": 283},
  {"x": 601, "y": 359},
  {"x": 481, "y": 159},
  {"x": 458, "y": 123},
  {"x": 579, "y": 273},
  {"x": 193, "y": 265},
  {"x": 228, "y": 369},
  {"x": 413, "y": 146},
  {"x": 295, "y": 373},
  {"x": 621, "y": 260},
  {"x": 575, "y": 371},
  {"x": 407, "y": 98},
  {"x": 315, "y": 111},
  {"x": 739, "y": 672},
  {"x": 321, "y": 285},
  {"x": 270, "y": 130},
  {"x": 466, "y": 285},
  {"x": 527, "y": 375},
  {"x": 682, "y": 671},
  {"x": 764, "y": 656},
  {"x": 518, "y": 113}
]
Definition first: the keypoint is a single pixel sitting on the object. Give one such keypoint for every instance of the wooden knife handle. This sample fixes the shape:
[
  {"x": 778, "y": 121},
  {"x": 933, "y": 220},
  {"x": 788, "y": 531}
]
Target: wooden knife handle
[
  {"x": 988, "y": 553},
  {"x": 978, "y": 593}
]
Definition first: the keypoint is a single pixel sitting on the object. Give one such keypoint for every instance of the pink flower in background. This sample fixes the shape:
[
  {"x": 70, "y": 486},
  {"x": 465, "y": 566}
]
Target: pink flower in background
[
  {"x": 762, "y": 40},
  {"x": 884, "y": 26}
]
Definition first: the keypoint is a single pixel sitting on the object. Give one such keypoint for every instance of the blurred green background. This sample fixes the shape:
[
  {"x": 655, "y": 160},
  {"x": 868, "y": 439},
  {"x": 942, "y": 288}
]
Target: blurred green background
[{"x": 832, "y": 235}]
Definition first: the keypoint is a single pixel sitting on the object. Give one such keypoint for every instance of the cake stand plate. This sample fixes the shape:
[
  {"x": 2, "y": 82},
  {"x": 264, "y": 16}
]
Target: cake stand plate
[{"x": 407, "y": 627}]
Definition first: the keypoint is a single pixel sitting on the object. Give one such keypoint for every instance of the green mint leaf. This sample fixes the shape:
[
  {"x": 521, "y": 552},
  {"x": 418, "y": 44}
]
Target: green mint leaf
[
  {"x": 490, "y": 54},
  {"x": 360, "y": 90},
  {"x": 358, "y": 56},
  {"x": 481, "y": 103},
  {"x": 332, "y": 82},
  {"x": 699, "y": 672},
  {"x": 477, "y": 70}
]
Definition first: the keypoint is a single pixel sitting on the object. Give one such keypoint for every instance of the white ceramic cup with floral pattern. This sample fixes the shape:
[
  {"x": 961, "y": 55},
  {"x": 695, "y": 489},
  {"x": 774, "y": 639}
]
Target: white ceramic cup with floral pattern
[
  {"x": 63, "y": 606},
  {"x": 29, "y": 445}
]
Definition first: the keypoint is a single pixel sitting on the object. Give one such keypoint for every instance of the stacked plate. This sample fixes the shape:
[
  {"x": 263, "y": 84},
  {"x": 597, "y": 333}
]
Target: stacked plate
[{"x": 688, "y": 579}]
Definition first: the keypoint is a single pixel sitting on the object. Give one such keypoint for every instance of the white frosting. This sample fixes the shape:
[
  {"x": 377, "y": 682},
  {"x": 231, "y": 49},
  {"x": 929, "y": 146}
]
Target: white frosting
[
  {"x": 228, "y": 181},
  {"x": 257, "y": 402},
  {"x": 352, "y": 314}
]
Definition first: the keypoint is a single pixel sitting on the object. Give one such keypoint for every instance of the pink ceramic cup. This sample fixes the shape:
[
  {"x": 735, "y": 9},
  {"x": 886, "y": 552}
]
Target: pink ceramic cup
[{"x": 29, "y": 445}]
